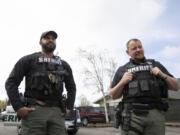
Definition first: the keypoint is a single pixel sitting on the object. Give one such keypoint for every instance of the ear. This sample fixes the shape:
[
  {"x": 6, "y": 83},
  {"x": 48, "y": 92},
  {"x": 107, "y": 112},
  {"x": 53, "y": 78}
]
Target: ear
[
  {"x": 127, "y": 52},
  {"x": 40, "y": 42}
]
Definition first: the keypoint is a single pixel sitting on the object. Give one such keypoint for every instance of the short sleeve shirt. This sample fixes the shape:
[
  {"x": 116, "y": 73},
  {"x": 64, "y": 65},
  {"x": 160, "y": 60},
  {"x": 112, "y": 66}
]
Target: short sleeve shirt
[{"x": 121, "y": 70}]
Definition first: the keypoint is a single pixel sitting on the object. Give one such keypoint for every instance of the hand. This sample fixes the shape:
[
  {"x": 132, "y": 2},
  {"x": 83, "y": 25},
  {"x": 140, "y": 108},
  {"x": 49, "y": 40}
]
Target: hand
[
  {"x": 157, "y": 72},
  {"x": 127, "y": 77},
  {"x": 67, "y": 113},
  {"x": 23, "y": 111}
]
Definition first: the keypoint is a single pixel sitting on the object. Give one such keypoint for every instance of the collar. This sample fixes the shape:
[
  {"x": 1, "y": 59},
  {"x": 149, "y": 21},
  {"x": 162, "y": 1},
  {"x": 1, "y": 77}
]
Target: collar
[{"x": 143, "y": 60}]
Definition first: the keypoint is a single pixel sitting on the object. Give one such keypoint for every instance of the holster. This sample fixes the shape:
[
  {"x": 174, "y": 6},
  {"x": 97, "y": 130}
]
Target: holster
[
  {"x": 137, "y": 108},
  {"x": 63, "y": 104},
  {"x": 118, "y": 115},
  {"x": 126, "y": 116}
]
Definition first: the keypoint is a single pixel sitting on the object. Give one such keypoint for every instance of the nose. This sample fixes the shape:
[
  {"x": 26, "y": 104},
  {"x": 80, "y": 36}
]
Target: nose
[
  {"x": 51, "y": 39},
  {"x": 138, "y": 49}
]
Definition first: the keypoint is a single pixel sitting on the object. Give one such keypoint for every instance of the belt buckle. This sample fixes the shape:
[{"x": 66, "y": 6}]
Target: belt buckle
[{"x": 40, "y": 102}]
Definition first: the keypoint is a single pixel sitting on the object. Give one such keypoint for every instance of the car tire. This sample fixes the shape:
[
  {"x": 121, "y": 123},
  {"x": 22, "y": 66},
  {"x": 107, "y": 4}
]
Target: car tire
[
  {"x": 73, "y": 132},
  {"x": 85, "y": 122},
  {"x": 109, "y": 118}
]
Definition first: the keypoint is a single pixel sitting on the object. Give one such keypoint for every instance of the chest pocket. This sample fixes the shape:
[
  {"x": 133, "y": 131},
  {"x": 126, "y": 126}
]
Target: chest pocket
[{"x": 133, "y": 88}]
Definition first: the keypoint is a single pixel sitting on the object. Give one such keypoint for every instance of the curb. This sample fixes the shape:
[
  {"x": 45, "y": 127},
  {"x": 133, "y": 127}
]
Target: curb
[
  {"x": 173, "y": 124},
  {"x": 98, "y": 125}
]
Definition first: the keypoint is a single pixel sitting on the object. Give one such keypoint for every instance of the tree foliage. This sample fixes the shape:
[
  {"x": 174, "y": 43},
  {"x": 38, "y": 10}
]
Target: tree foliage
[
  {"x": 3, "y": 103},
  {"x": 84, "y": 101}
]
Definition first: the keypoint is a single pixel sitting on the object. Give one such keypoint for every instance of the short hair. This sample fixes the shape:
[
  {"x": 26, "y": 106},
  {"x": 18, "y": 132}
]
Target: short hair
[{"x": 133, "y": 39}]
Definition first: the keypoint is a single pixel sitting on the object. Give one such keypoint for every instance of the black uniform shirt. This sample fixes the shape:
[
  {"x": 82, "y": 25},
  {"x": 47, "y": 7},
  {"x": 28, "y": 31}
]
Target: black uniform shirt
[
  {"x": 121, "y": 70},
  {"x": 22, "y": 68}
]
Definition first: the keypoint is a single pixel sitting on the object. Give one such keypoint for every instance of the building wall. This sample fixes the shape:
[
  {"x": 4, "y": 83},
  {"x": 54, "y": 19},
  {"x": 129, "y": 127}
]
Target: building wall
[{"x": 173, "y": 114}]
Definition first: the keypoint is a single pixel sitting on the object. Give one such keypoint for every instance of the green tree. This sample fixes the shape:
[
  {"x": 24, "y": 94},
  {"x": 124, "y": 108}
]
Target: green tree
[
  {"x": 83, "y": 101},
  {"x": 3, "y": 103}
]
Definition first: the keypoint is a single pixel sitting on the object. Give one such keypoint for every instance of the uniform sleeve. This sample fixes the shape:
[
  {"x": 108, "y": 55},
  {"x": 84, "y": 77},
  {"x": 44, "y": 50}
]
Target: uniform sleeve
[
  {"x": 70, "y": 86},
  {"x": 117, "y": 77},
  {"x": 13, "y": 82},
  {"x": 162, "y": 68}
]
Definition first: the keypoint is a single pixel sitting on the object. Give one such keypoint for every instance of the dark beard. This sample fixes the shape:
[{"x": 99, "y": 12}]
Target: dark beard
[{"x": 48, "y": 49}]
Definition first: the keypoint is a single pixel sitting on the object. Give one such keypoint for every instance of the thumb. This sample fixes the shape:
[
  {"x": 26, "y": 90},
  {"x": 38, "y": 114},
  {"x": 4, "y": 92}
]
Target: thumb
[
  {"x": 62, "y": 114},
  {"x": 30, "y": 109}
]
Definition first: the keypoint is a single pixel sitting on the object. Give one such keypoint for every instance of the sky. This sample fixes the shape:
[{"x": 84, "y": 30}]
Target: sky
[{"x": 91, "y": 25}]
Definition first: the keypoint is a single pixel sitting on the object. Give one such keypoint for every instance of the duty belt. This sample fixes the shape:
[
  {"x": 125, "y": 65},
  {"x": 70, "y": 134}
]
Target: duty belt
[
  {"x": 140, "y": 106},
  {"x": 32, "y": 101}
]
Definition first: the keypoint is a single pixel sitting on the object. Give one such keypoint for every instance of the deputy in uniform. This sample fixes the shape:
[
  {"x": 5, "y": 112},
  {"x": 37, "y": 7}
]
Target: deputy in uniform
[
  {"x": 45, "y": 74},
  {"x": 142, "y": 83}
]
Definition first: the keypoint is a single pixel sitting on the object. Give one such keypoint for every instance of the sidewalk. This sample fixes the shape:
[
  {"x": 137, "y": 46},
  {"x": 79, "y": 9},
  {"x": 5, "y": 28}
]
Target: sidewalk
[{"x": 173, "y": 124}]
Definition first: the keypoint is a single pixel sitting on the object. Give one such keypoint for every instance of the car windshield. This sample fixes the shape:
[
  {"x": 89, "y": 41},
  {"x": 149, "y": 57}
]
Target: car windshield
[{"x": 94, "y": 110}]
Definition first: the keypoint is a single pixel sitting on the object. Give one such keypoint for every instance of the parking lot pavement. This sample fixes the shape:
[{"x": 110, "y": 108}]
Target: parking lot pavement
[
  {"x": 112, "y": 131},
  {"x": 90, "y": 131},
  {"x": 7, "y": 130},
  {"x": 98, "y": 131}
]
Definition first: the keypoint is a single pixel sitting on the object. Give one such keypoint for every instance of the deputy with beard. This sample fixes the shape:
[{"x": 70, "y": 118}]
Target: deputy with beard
[
  {"x": 143, "y": 83},
  {"x": 45, "y": 75}
]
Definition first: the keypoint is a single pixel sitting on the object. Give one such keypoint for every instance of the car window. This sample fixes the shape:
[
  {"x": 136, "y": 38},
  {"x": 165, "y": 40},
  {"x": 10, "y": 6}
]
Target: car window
[
  {"x": 94, "y": 110},
  {"x": 97, "y": 110},
  {"x": 80, "y": 109}
]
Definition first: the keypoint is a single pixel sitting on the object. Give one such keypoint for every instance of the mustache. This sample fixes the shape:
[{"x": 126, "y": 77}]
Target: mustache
[
  {"x": 51, "y": 42},
  {"x": 139, "y": 53}
]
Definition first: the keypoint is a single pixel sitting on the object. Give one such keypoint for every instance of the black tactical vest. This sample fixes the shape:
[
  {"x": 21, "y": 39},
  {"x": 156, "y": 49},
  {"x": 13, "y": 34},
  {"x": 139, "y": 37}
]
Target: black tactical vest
[
  {"x": 144, "y": 84},
  {"x": 46, "y": 76}
]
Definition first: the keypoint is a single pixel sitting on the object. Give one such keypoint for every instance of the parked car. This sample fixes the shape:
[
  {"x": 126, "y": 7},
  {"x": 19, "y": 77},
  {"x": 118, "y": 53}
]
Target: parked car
[
  {"x": 72, "y": 122},
  {"x": 89, "y": 114}
]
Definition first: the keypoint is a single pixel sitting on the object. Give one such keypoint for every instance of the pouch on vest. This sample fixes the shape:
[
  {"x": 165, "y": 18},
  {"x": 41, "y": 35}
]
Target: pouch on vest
[
  {"x": 133, "y": 88},
  {"x": 38, "y": 81},
  {"x": 144, "y": 85},
  {"x": 155, "y": 91},
  {"x": 163, "y": 89}
]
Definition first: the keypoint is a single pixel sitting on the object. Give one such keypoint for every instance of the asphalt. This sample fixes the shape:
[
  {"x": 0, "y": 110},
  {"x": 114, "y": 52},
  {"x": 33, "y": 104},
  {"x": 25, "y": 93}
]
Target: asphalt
[{"x": 173, "y": 124}]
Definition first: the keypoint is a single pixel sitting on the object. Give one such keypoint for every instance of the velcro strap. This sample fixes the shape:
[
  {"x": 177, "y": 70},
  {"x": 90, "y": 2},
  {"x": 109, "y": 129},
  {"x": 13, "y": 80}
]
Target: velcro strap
[
  {"x": 141, "y": 106},
  {"x": 140, "y": 112}
]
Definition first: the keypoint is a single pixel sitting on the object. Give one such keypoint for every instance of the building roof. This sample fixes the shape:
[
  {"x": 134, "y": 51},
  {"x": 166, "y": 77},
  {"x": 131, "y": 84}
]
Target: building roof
[{"x": 101, "y": 99}]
